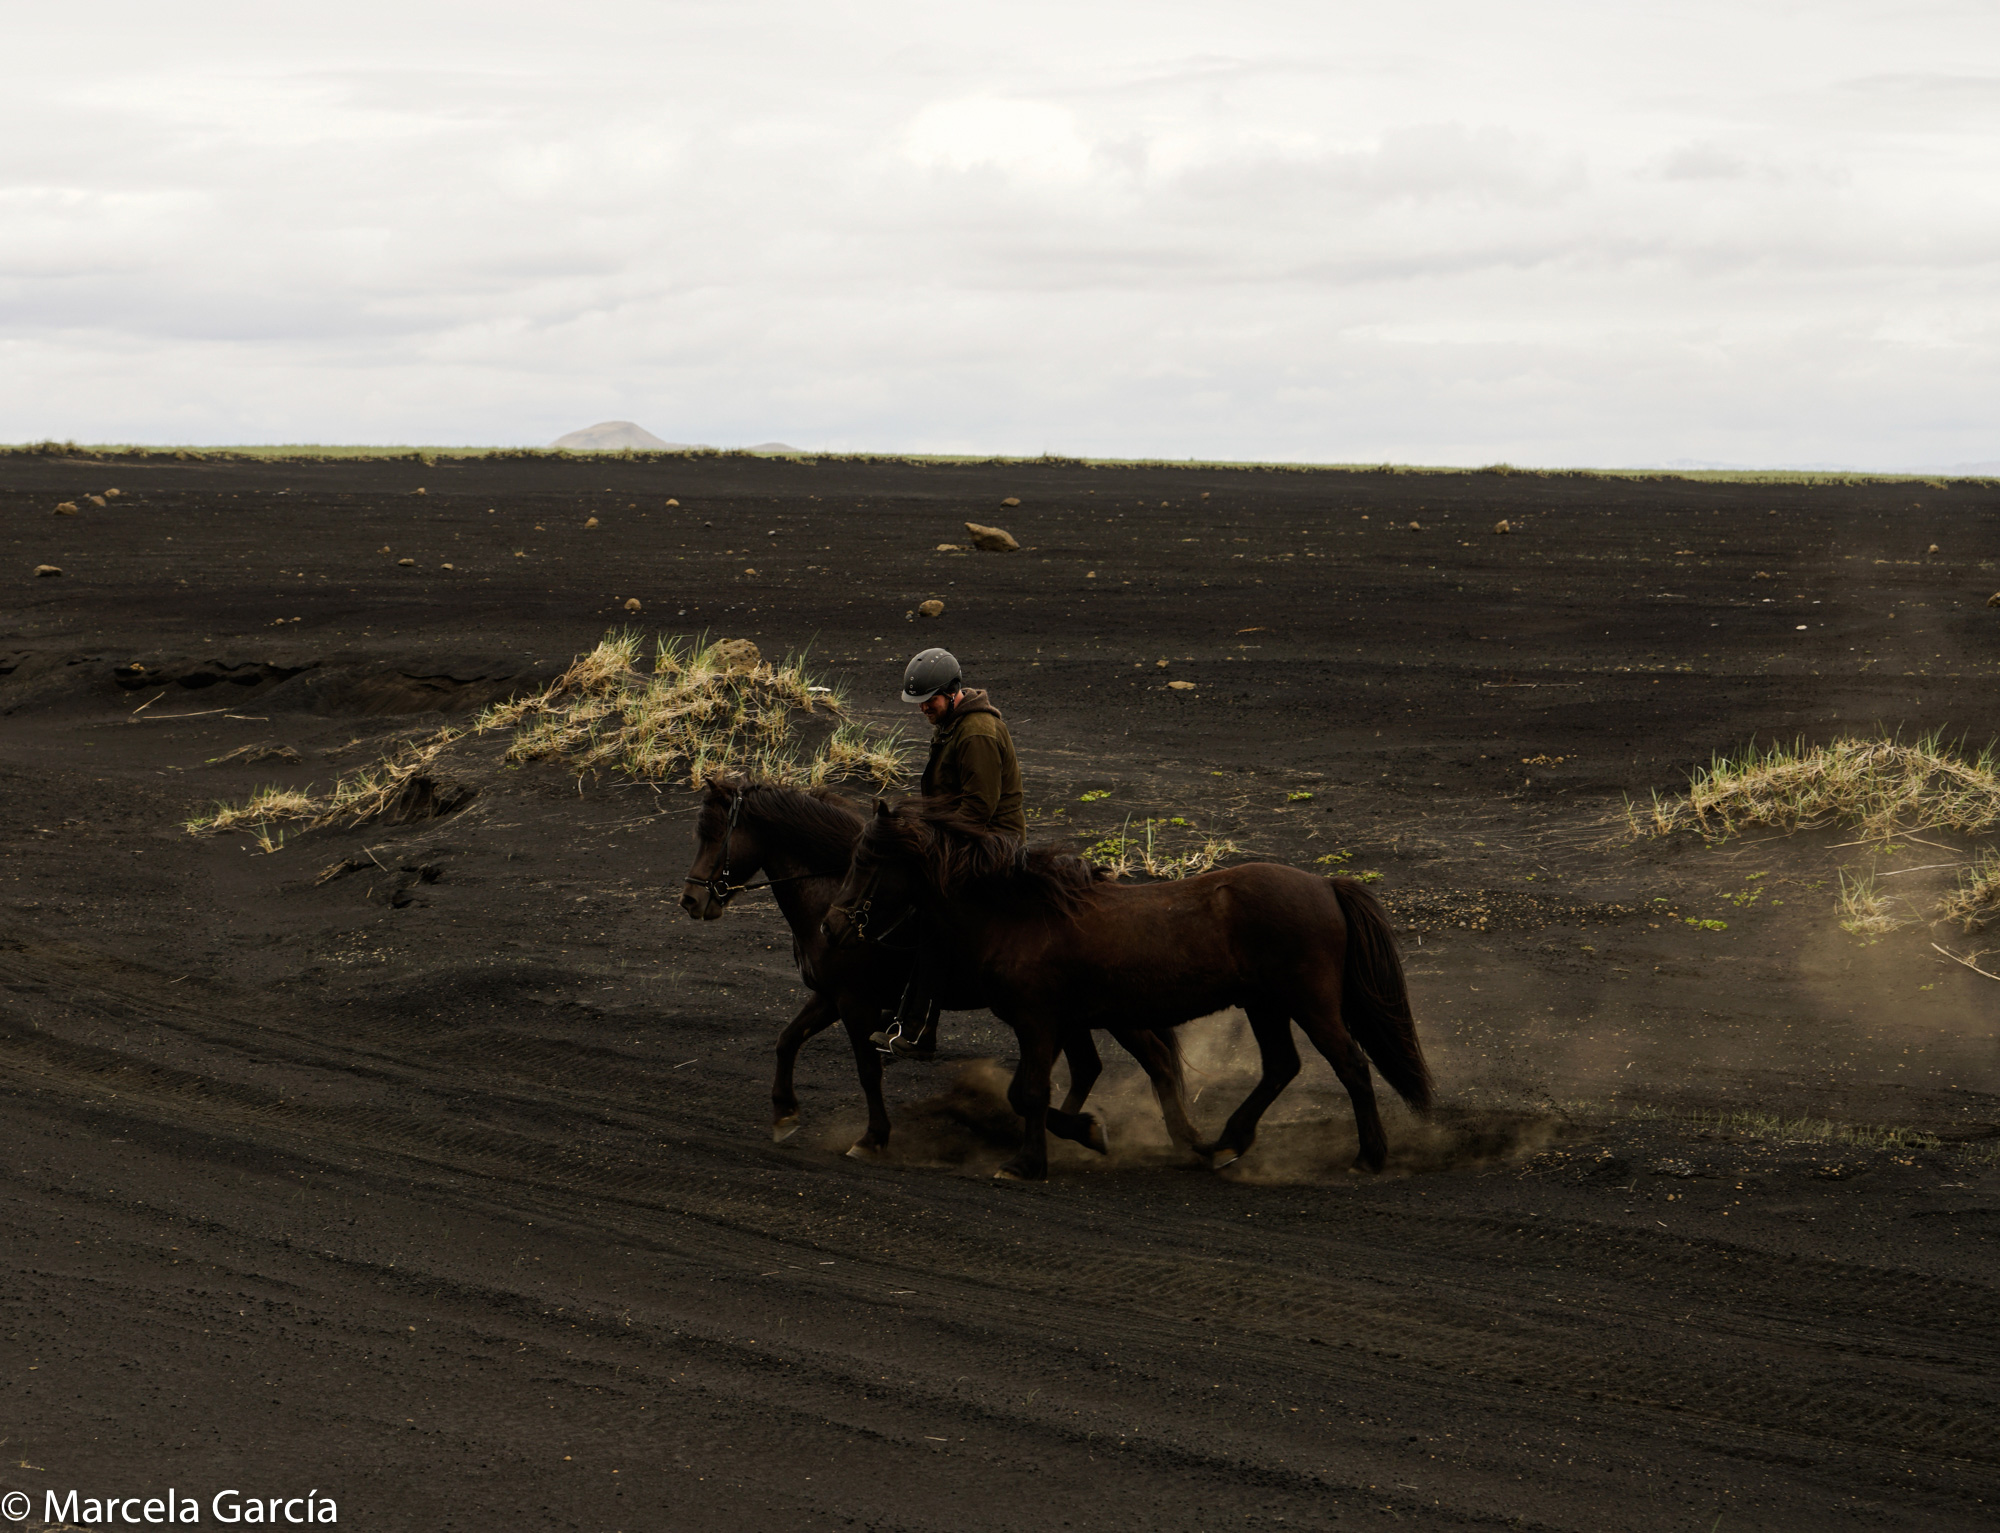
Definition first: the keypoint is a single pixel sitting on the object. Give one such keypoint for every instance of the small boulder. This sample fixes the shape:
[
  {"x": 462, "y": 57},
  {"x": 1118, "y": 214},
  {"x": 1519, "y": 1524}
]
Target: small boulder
[
  {"x": 1761, "y": 575},
  {"x": 949, "y": 548},
  {"x": 737, "y": 655},
  {"x": 447, "y": 566},
  {"x": 406, "y": 563},
  {"x": 1180, "y": 686},
  {"x": 1011, "y": 500},
  {"x": 631, "y": 604},
  {"x": 673, "y": 505},
  {"x": 111, "y": 494},
  {"x": 419, "y": 490},
  {"x": 65, "y": 508},
  {"x": 98, "y": 500},
  {"x": 1416, "y": 526},
  {"x": 1993, "y": 600},
  {"x": 1933, "y": 548},
  {"x": 1160, "y": 664},
  {"x": 993, "y": 540},
  {"x": 1503, "y": 526},
  {"x": 591, "y": 523},
  {"x": 931, "y": 608},
  {"x": 47, "y": 569},
  {"x": 383, "y": 549}
]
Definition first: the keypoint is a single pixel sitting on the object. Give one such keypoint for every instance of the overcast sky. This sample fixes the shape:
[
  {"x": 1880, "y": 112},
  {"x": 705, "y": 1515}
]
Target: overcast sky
[{"x": 1547, "y": 233}]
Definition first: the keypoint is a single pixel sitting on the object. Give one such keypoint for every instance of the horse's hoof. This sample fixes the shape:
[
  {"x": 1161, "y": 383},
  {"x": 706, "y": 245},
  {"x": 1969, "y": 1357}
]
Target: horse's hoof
[
  {"x": 861, "y": 1149},
  {"x": 1008, "y": 1174},
  {"x": 784, "y": 1128},
  {"x": 1220, "y": 1158},
  {"x": 1095, "y": 1139}
]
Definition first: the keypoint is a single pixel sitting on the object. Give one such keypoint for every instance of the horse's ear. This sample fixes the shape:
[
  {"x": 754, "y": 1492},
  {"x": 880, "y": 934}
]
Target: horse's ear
[{"x": 882, "y": 810}]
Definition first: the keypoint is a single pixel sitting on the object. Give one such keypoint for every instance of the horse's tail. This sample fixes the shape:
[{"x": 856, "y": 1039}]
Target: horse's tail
[{"x": 1374, "y": 1001}]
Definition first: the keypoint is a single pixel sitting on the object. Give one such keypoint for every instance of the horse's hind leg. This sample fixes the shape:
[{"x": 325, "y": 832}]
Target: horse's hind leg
[
  {"x": 1273, "y": 1030},
  {"x": 1319, "y": 1020},
  {"x": 818, "y": 1014},
  {"x": 1162, "y": 1064},
  {"x": 1029, "y": 1096},
  {"x": 861, "y": 1019},
  {"x": 1085, "y": 1065}
]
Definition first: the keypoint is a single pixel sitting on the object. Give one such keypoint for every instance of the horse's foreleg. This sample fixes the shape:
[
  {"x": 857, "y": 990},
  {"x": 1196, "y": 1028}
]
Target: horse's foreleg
[
  {"x": 818, "y": 1014},
  {"x": 1029, "y": 1096},
  {"x": 861, "y": 1019},
  {"x": 1322, "y": 1025},
  {"x": 1273, "y": 1030},
  {"x": 1162, "y": 1064}
]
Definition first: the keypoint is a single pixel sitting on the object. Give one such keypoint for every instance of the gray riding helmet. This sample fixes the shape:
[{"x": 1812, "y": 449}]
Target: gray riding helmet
[{"x": 932, "y": 672}]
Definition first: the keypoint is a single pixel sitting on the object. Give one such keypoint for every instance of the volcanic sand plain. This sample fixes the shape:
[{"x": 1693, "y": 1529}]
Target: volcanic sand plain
[{"x": 446, "y": 1187}]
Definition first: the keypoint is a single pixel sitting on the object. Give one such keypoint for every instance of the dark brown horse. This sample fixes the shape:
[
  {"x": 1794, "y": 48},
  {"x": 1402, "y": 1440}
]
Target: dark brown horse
[
  {"x": 800, "y": 844},
  {"x": 1055, "y": 948}
]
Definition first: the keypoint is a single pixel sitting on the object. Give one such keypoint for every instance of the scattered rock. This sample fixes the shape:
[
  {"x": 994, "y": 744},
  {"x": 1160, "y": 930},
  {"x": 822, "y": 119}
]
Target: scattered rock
[
  {"x": 949, "y": 548},
  {"x": 98, "y": 500},
  {"x": 111, "y": 494},
  {"x": 47, "y": 569},
  {"x": 1993, "y": 600},
  {"x": 1180, "y": 686},
  {"x": 993, "y": 540},
  {"x": 631, "y": 604},
  {"x": 406, "y": 562},
  {"x": 1011, "y": 500},
  {"x": 738, "y": 655},
  {"x": 673, "y": 505},
  {"x": 1761, "y": 575},
  {"x": 1160, "y": 664},
  {"x": 383, "y": 549},
  {"x": 1416, "y": 526},
  {"x": 591, "y": 523},
  {"x": 931, "y": 608},
  {"x": 1933, "y": 548},
  {"x": 245, "y": 755},
  {"x": 1503, "y": 526},
  {"x": 1090, "y": 574},
  {"x": 65, "y": 508},
  {"x": 419, "y": 490},
  {"x": 447, "y": 566},
  {"x": 749, "y": 572}
]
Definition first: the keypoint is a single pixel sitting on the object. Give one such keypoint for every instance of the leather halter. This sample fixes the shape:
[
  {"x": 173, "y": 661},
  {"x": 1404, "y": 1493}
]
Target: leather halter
[{"x": 719, "y": 888}]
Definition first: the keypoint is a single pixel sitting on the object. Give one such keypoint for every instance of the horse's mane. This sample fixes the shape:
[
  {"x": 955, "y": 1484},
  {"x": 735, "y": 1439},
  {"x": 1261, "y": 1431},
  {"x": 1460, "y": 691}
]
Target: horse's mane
[
  {"x": 956, "y": 851},
  {"x": 820, "y": 825}
]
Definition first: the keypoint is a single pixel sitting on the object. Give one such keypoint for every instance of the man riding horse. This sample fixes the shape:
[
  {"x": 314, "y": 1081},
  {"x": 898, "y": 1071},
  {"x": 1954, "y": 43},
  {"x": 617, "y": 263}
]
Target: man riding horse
[{"x": 972, "y": 768}]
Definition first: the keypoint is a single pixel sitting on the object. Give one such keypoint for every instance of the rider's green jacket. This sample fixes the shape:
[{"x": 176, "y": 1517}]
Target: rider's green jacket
[{"x": 974, "y": 766}]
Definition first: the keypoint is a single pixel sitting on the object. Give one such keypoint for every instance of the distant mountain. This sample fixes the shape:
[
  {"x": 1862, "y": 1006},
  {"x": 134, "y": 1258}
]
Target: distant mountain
[{"x": 614, "y": 436}]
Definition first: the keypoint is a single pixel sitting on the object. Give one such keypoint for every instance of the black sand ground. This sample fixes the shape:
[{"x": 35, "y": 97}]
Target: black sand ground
[{"x": 453, "y": 1200}]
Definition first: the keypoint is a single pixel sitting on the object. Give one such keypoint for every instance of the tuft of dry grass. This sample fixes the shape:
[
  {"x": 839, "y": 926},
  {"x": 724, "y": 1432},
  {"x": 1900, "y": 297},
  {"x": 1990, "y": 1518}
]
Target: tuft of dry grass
[
  {"x": 271, "y": 803},
  {"x": 695, "y": 712},
  {"x": 1881, "y": 787},
  {"x": 1864, "y": 909},
  {"x": 695, "y": 709},
  {"x": 1975, "y": 903}
]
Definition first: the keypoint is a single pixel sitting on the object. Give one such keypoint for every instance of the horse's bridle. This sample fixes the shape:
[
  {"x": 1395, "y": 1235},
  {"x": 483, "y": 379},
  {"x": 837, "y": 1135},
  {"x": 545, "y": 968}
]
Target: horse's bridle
[{"x": 719, "y": 888}]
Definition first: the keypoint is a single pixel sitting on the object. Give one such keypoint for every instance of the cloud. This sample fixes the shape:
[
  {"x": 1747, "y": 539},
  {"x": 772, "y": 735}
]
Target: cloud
[{"x": 1440, "y": 232}]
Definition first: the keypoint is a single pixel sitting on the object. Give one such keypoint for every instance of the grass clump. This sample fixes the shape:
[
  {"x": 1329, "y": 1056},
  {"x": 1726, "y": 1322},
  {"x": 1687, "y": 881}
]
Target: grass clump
[
  {"x": 1146, "y": 852},
  {"x": 265, "y": 804},
  {"x": 1880, "y": 787},
  {"x": 699, "y": 708},
  {"x": 1976, "y": 900}
]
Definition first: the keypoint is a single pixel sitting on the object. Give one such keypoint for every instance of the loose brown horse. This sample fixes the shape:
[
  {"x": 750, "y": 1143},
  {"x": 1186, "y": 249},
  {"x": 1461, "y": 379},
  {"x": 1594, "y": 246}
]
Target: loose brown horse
[
  {"x": 800, "y": 843},
  {"x": 1054, "y": 948}
]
